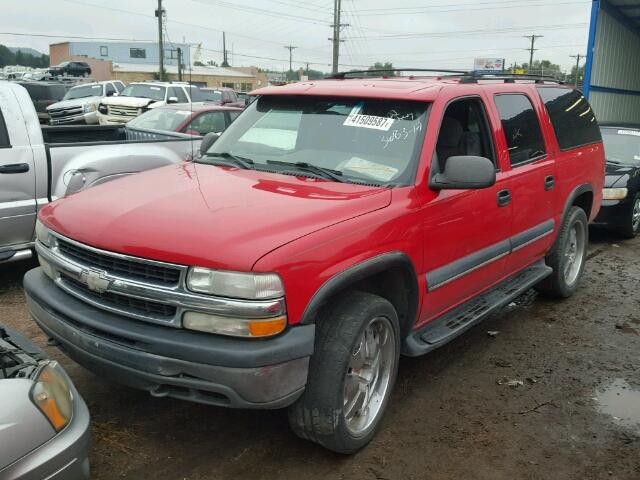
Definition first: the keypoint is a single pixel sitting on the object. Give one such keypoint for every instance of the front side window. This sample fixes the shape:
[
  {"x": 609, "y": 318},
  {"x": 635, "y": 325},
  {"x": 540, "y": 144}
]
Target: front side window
[
  {"x": 521, "y": 128},
  {"x": 145, "y": 91},
  {"x": 119, "y": 86},
  {"x": 367, "y": 140},
  {"x": 573, "y": 119},
  {"x": 179, "y": 94},
  {"x": 137, "y": 53},
  {"x": 110, "y": 89}
]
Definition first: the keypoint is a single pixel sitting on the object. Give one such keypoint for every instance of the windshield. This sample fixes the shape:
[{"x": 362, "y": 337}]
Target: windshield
[
  {"x": 363, "y": 139},
  {"x": 160, "y": 119},
  {"x": 145, "y": 91},
  {"x": 621, "y": 145},
  {"x": 211, "y": 95},
  {"x": 84, "y": 91}
]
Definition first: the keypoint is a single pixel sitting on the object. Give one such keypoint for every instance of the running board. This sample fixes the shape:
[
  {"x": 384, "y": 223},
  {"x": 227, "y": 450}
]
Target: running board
[{"x": 441, "y": 330}]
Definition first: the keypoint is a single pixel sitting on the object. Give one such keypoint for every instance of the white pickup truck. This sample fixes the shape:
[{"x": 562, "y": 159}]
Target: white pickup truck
[{"x": 39, "y": 165}]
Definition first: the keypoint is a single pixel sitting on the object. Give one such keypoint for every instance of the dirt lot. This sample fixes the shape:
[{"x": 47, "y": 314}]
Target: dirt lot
[{"x": 453, "y": 415}]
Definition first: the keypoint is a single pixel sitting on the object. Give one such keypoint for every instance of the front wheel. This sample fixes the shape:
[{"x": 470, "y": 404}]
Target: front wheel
[
  {"x": 567, "y": 256},
  {"x": 351, "y": 374},
  {"x": 631, "y": 228}
]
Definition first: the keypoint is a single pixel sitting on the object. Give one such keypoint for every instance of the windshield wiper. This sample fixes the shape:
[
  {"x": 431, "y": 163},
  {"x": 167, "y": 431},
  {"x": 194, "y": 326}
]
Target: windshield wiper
[
  {"x": 244, "y": 162},
  {"x": 328, "y": 173}
]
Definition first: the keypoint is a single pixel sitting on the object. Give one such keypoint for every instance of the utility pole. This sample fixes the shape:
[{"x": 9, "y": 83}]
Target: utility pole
[
  {"x": 336, "y": 34},
  {"x": 179, "y": 64},
  {"x": 159, "y": 13},
  {"x": 224, "y": 50},
  {"x": 577, "y": 57},
  {"x": 532, "y": 49},
  {"x": 291, "y": 48}
]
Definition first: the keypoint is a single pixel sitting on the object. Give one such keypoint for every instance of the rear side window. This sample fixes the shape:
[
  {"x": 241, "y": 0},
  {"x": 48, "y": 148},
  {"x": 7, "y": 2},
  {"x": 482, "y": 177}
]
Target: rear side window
[
  {"x": 4, "y": 135},
  {"x": 572, "y": 117},
  {"x": 521, "y": 128}
]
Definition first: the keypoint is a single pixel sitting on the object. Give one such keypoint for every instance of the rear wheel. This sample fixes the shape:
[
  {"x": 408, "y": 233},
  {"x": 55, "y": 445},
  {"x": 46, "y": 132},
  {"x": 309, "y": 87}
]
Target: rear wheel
[
  {"x": 351, "y": 374},
  {"x": 631, "y": 228},
  {"x": 567, "y": 256}
]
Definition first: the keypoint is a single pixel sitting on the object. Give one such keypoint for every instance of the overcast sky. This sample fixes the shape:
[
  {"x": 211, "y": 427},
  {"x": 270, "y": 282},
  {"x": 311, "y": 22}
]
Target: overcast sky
[{"x": 409, "y": 33}]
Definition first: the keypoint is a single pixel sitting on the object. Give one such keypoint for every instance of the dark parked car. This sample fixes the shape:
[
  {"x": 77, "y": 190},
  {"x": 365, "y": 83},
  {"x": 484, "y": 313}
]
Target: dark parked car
[
  {"x": 620, "y": 209},
  {"x": 44, "y": 94},
  {"x": 75, "y": 69},
  {"x": 193, "y": 119}
]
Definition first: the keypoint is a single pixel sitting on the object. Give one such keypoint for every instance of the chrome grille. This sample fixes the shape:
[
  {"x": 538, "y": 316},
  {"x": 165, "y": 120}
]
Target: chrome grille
[
  {"x": 155, "y": 310},
  {"x": 57, "y": 113},
  {"x": 122, "y": 111},
  {"x": 120, "y": 266}
]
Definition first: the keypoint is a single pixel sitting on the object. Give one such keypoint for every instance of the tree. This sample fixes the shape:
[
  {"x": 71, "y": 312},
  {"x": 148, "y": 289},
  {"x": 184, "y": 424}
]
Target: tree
[{"x": 382, "y": 66}]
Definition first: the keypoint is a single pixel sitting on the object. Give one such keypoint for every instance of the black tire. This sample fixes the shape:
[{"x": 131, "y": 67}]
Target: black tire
[
  {"x": 318, "y": 415},
  {"x": 556, "y": 285},
  {"x": 629, "y": 230}
]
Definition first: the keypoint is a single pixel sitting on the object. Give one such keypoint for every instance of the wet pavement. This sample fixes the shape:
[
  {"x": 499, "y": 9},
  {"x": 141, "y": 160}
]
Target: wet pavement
[{"x": 552, "y": 392}]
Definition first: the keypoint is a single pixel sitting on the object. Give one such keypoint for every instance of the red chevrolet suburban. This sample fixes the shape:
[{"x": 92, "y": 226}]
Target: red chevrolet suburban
[{"x": 334, "y": 226}]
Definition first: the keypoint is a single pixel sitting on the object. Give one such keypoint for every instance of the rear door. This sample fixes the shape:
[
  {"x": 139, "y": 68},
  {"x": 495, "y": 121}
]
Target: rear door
[
  {"x": 530, "y": 178},
  {"x": 17, "y": 175}
]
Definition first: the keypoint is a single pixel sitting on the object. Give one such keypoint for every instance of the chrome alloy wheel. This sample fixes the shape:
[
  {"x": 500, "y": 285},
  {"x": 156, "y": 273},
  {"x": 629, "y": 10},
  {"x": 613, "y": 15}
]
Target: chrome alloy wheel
[
  {"x": 574, "y": 253},
  {"x": 635, "y": 216},
  {"x": 366, "y": 383}
]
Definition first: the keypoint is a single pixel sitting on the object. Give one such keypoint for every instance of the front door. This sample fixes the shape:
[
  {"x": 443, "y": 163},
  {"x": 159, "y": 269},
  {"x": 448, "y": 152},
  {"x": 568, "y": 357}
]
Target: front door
[
  {"x": 466, "y": 232},
  {"x": 17, "y": 178}
]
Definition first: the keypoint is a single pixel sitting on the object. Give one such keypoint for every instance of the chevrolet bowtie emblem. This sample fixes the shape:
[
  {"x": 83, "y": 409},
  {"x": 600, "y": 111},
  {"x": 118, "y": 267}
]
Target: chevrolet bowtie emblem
[{"x": 95, "y": 280}]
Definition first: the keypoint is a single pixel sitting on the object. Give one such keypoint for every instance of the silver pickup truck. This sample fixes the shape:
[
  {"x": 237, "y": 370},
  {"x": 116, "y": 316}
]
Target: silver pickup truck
[{"x": 39, "y": 165}]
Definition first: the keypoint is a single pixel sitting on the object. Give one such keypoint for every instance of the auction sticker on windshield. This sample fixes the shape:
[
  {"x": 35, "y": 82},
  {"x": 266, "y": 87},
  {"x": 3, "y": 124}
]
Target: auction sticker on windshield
[
  {"x": 355, "y": 119},
  {"x": 629, "y": 132}
]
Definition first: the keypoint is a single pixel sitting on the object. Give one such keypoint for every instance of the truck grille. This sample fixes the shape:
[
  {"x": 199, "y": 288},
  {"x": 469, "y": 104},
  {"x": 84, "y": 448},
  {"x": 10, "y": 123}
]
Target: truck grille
[
  {"x": 156, "y": 310},
  {"x": 122, "y": 267},
  {"x": 121, "y": 111},
  {"x": 61, "y": 113}
]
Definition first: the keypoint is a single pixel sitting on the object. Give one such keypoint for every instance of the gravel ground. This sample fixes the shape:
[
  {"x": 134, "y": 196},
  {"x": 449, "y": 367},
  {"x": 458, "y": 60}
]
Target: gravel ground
[{"x": 453, "y": 414}]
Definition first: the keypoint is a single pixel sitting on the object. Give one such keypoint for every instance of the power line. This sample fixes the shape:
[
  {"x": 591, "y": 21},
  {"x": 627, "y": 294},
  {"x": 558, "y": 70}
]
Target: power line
[
  {"x": 418, "y": 10},
  {"x": 77, "y": 37}
]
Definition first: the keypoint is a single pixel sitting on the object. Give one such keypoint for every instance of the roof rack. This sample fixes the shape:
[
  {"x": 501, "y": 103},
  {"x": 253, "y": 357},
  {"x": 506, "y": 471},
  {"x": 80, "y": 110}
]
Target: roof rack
[
  {"x": 342, "y": 75},
  {"x": 465, "y": 76}
]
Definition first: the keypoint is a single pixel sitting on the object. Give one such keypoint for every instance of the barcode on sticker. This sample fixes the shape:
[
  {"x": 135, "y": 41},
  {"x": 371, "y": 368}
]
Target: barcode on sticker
[{"x": 368, "y": 121}]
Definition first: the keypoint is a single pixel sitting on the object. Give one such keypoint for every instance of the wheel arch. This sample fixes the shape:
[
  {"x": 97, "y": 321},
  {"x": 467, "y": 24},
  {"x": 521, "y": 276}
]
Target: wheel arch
[
  {"x": 391, "y": 275},
  {"x": 582, "y": 196}
]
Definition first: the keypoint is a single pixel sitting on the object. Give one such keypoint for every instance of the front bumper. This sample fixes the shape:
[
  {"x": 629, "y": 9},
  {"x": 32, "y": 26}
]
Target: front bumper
[
  {"x": 201, "y": 367},
  {"x": 106, "y": 119},
  {"x": 614, "y": 213},
  {"x": 64, "y": 457}
]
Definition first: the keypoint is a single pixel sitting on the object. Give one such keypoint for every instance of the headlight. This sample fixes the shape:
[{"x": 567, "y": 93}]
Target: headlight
[
  {"x": 43, "y": 234},
  {"x": 249, "y": 286},
  {"x": 91, "y": 107},
  {"x": 103, "y": 109},
  {"x": 237, "y": 327},
  {"x": 614, "y": 193},
  {"x": 52, "y": 395}
]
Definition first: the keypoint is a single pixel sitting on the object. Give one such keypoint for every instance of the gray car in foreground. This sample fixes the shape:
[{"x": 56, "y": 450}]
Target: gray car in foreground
[{"x": 44, "y": 423}]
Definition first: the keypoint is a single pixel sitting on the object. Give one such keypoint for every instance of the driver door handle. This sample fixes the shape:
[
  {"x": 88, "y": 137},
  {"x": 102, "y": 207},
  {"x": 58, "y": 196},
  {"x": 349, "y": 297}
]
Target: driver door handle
[
  {"x": 15, "y": 168},
  {"x": 504, "y": 198},
  {"x": 549, "y": 182}
]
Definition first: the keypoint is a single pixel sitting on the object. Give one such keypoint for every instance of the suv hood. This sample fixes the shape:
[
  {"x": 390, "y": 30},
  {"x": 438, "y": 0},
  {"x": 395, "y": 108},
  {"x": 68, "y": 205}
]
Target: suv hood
[
  {"x": 129, "y": 101},
  {"x": 75, "y": 102},
  {"x": 619, "y": 175},
  {"x": 217, "y": 217}
]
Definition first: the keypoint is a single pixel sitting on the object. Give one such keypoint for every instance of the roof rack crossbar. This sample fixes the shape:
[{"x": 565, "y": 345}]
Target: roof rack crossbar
[{"x": 342, "y": 75}]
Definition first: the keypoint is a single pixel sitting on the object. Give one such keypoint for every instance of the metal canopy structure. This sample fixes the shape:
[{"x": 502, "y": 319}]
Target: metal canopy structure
[{"x": 612, "y": 71}]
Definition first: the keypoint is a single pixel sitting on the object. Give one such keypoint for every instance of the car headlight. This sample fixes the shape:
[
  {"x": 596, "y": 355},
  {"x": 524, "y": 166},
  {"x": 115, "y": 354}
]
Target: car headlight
[
  {"x": 51, "y": 393},
  {"x": 248, "y": 286},
  {"x": 614, "y": 193},
  {"x": 102, "y": 108},
  {"x": 237, "y": 327},
  {"x": 43, "y": 234},
  {"x": 91, "y": 107}
]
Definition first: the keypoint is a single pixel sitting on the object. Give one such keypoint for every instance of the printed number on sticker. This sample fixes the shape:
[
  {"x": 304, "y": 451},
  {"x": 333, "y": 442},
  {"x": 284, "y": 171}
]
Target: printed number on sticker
[{"x": 368, "y": 121}]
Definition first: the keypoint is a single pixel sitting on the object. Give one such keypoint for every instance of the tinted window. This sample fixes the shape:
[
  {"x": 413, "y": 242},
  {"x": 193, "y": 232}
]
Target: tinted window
[
  {"x": 4, "y": 135},
  {"x": 45, "y": 92},
  {"x": 110, "y": 89},
  {"x": 572, "y": 117},
  {"x": 207, "y": 123},
  {"x": 521, "y": 128}
]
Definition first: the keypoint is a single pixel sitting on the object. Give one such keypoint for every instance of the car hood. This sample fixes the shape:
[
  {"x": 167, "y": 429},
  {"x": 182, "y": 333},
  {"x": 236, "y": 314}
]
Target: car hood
[
  {"x": 197, "y": 214},
  {"x": 75, "y": 102},
  {"x": 619, "y": 175},
  {"x": 129, "y": 101}
]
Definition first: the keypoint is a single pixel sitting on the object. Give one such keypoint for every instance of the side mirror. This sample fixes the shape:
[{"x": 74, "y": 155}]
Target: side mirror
[
  {"x": 172, "y": 100},
  {"x": 110, "y": 94},
  {"x": 208, "y": 140},
  {"x": 465, "y": 173}
]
